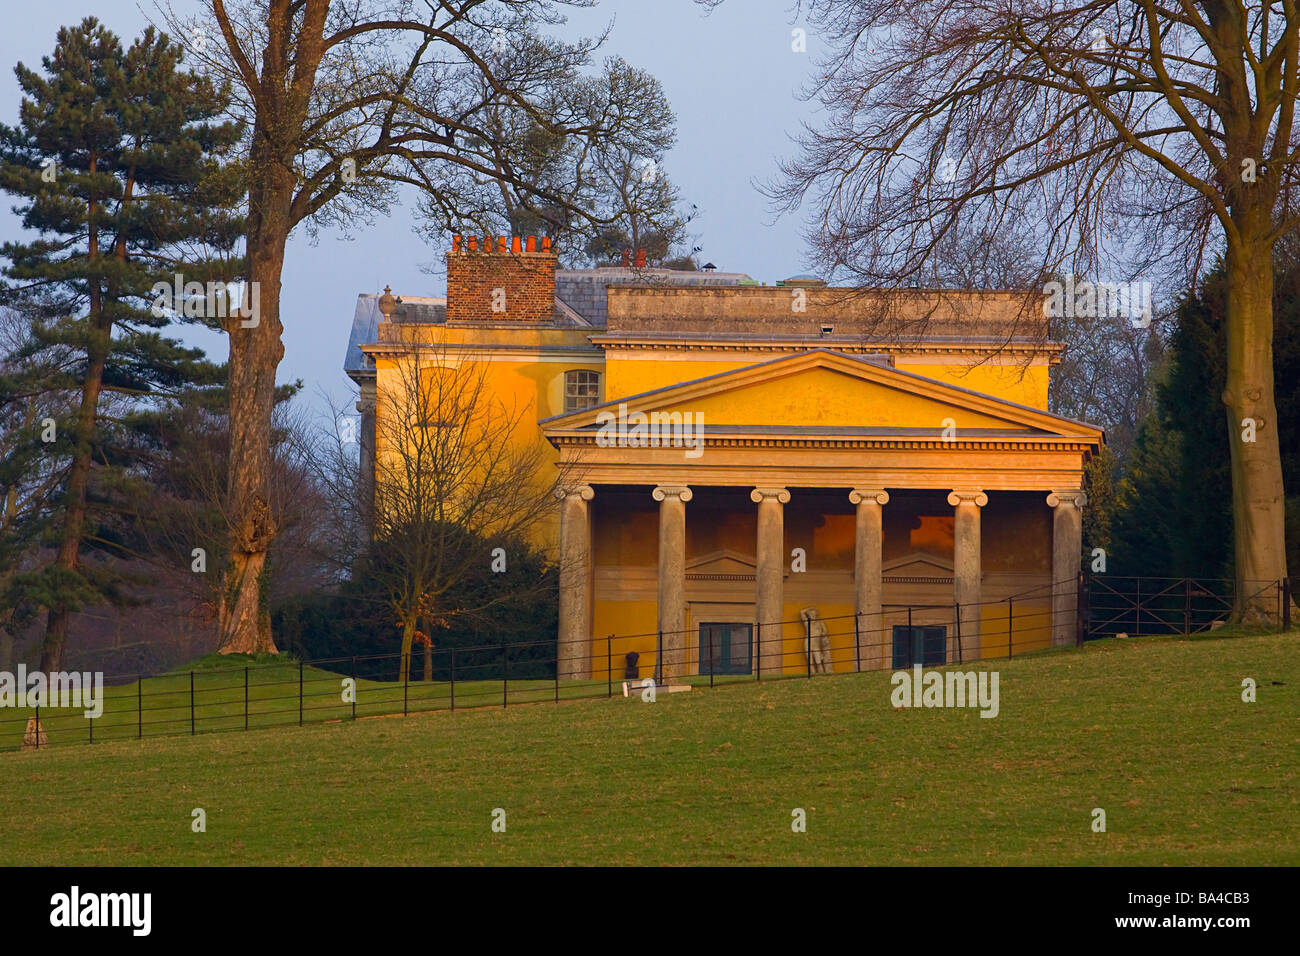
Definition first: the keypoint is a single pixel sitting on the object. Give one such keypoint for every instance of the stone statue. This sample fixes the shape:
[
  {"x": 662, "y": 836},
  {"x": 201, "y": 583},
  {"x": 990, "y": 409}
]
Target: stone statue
[{"x": 817, "y": 641}]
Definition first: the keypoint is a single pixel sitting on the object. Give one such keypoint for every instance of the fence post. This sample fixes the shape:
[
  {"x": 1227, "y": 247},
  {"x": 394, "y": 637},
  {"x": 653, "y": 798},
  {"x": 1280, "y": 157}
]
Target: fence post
[
  {"x": 354, "y": 688},
  {"x": 911, "y": 640},
  {"x": 807, "y": 643},
  {"x": 1187, "y": 605},
  {"x": 90, "y": 721},
  {"x": 1286, "y": 604},
  {"x": 139, "y": 707},
  {"x": 609, "y": 666},
  {"x": 453, "y": 680},
  {"x": 38, "y": 726},
  {"x": 406, "y": 680},
  {"x": 505, "y": 675},
  {"x": 710, "y": 657},
  {"x": 956, "y": 616},
  {"x": 557, "y": 676},
  {"x": 1081, "y": 611},
  {"x": 191, "y": 703},
  {"x": 659, "y": 657},
  {"x": 1137, "y": 623},
  {"x": 245, "y": 698},
  {"x": 300, "y": 693},
  {"x": 1010, "y": 636}
]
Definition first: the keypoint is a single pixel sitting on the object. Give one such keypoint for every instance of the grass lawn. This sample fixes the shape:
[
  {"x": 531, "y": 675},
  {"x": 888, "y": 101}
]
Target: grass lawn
[{"x": 1152, "y": 730}]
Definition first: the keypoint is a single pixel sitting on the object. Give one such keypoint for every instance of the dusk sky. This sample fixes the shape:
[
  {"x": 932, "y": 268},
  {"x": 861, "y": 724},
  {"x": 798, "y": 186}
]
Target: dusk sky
[{"x": 731, "y": 77}]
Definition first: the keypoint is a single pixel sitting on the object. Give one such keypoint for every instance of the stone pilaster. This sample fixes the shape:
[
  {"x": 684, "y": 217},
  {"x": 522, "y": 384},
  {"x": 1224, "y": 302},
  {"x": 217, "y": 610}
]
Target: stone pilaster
[
  {"x": 769, "y": 577},
  {"x": 967, "y": 570},
  {"x": 867, "y": 582},
  {"x": 674, "y": 661},
  {"x": 574, "y": 647},
  {"x": 1067, "y": 552}
]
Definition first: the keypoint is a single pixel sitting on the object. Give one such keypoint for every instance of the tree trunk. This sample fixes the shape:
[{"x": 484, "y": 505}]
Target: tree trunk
[
  {"x": 428, "y": 662},
  {"x": 74, "y": 519},
  {"x": 255, "y": 353},
  {"x": 1258, "y": 499}
]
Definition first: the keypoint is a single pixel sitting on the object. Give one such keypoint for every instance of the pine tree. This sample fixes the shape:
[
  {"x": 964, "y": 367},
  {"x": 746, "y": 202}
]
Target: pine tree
[{"x": 118, "y": 162}]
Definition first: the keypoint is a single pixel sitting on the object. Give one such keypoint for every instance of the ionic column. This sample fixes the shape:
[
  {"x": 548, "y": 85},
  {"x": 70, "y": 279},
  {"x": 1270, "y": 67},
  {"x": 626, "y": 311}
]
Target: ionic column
[
  {"x": 1067, "y": 550},
  {"x": 769, "y": 576},
  {"x": 574, "y": 647},
  {"x": 867, "y": 586},
  {"x": 672, "y": 500},
  {"x": 966, "y": 570}
]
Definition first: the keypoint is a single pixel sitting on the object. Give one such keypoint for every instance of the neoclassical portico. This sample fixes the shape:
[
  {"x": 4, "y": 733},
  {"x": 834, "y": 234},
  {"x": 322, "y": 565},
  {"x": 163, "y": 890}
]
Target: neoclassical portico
[{"x": 905, "y": 492}]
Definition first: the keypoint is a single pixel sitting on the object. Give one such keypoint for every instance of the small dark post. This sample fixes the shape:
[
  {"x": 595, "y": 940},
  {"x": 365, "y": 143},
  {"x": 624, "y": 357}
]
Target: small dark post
[
  {"x": 1187, "y": 605},
  {"x": 1081, "y": 612},
  {"x": 659, "y": 657},
  {"x": 557, "y": 680},
  {"x": 1011, "y": 637},
  {"x": 710, "y": 657},
  {"x": 191, "y": 703},
  {"x": 354, "y": 688},
  {"x": 406, "y": 680},
  {"x": 300, "y": 693},
  {"x": 453, "y": 680},
  {"x": 505, "y": 675},
  {"x": 609, "y": 665},
  {"x": 857, "y": 647},
  {"x": 1137, "y": 624},
  {"x": 956, "y": 617},
  {"x": 911, "y": 640},
  {"x": 807, "y": 641},
  {"x": 245, "y": 698},
  {"x": 139, "y": 707},
  {"x": 1286, "y": 604},
  {"x": 38, "y": 726},
  {"x": 91, "y": 722}
]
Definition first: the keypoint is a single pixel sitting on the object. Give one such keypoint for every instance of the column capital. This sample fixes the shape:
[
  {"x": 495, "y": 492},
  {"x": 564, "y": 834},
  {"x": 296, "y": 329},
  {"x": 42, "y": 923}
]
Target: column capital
[
  {"x": 585, "y": 492},
  {"x": 859, "y": 495},
  {"x": 672, "y": 491},
  {"x": 964, "y": 496},
  {"x": 762, "y": 494},
  {"x": 1074, "y": 497}
]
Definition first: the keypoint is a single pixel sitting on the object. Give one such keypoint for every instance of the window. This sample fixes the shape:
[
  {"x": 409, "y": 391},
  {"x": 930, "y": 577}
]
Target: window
[
  {"x": 726, "y": 649},
  {"x": 581, "y": 389},
  {"x": 927, "y": 646}
]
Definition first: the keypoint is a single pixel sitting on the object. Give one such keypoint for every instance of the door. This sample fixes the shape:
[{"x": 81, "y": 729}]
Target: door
[
  {"x": 728, "y": 647},
  {"x": 927, "y": 646}
]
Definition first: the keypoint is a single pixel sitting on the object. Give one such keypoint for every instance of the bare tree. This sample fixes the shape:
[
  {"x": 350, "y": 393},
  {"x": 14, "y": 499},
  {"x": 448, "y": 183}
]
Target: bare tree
[
  {"x": 461, "y": 481},
  {"x": 1129, "y": 137}
]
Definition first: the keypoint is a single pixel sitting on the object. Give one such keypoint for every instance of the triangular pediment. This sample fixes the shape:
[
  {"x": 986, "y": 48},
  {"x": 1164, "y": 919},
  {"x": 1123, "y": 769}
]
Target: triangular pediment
[
  {"x": 724, "y": 562},
  {"x": 917, "y": 564},
  {"x": 826, "y": 391}
]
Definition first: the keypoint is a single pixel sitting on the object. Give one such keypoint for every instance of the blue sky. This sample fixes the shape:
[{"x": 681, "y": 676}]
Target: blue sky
[{"x": 733, "y": 81}]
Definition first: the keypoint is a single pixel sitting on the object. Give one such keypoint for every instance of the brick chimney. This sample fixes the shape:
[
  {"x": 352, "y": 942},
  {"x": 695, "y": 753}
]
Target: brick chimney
[{"x": 495, "y": 279}]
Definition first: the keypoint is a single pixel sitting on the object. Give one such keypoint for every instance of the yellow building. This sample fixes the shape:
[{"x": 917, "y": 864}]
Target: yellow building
[{"x": 760, "y": 479}]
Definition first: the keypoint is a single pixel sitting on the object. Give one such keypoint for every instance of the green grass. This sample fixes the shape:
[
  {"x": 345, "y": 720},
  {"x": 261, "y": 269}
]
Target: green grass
[{"x": 1153, "y": 730}]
